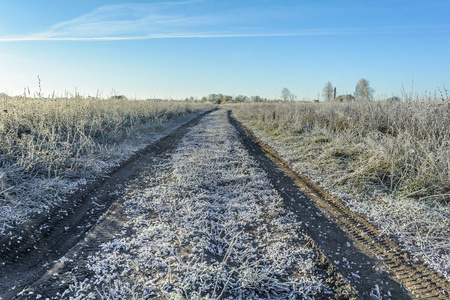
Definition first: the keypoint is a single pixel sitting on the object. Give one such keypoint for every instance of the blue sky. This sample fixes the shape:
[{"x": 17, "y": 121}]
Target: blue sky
[{"x": 177, "y": 49}]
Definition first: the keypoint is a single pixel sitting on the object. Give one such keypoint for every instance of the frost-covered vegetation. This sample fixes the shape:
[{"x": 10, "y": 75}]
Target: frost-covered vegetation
[
  {"x": 389, "y": 160},
  {"x": 48, "y": 147},
  {"x": 205, "y": 224}
]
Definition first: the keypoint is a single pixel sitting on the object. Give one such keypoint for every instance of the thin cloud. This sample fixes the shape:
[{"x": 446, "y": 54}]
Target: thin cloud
[
  {"x": 126, "y": 20},
  {"x": 184, "y": 35},
  {"x": 141, "y": 21}
]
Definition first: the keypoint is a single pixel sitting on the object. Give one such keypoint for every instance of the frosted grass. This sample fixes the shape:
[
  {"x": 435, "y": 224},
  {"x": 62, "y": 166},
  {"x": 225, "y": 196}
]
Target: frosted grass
[{"x": 208, "y": 225}]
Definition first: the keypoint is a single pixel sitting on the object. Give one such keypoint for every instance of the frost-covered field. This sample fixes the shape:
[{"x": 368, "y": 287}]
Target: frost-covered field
[
  {"x": 351, "y": 166},
  {"x": 207, "y": 224},
  {"x": 48, "y": 148}
]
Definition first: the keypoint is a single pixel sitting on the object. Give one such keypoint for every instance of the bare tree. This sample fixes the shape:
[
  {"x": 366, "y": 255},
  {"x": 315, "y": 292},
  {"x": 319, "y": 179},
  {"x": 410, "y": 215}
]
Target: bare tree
[
  {"x": 241, "y": 98},
  {"x": 256, "y": 99},
  {"x": 227, "y": 98},
  {"x": 286, "y": 95},
  {"x": 328, "y": 91},
  {"x": 213, "y": 97},
  {"x": 363, "y": 91}
]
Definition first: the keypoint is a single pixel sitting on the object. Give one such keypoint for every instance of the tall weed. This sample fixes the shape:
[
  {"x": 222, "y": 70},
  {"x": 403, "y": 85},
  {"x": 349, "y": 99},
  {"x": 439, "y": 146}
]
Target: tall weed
[{"x": 404, "y": 146}]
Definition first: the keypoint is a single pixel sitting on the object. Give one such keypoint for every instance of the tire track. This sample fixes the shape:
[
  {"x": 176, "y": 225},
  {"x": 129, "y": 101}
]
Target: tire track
[
  {"x": 421, "y": 282},
  {"x": 204, "y": 216},
  {"x": 47, "y": 238}
]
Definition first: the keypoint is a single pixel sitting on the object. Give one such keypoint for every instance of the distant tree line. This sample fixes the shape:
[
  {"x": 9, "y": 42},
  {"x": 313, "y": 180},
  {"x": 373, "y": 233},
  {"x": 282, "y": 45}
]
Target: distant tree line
[
  {"x": 221, "y": 98},
  {"x": 363, "y": 92},
  {"x": 286, "y": 95}
]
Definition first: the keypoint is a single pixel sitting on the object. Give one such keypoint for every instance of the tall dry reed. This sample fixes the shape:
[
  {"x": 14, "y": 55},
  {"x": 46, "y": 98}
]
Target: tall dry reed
[
  {"x": 55, "y": 137},
  {"x": 403, "y": 146},
  {"x": 50, "y": 146}
]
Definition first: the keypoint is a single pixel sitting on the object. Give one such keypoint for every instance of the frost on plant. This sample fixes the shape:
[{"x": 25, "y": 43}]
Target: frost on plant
[
  {"x": 389, "y": 161},
  {"x": 49, "y": 148},
  {"x": 207, "y": 225}
]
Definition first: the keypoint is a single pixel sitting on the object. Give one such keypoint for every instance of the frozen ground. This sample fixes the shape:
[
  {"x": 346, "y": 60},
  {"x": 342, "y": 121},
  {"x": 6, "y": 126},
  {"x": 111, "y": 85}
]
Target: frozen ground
[
  {"x": 422, "y": 229},
  {"x": 29, "y": 197},
  {"x": 204, "y": 224}
]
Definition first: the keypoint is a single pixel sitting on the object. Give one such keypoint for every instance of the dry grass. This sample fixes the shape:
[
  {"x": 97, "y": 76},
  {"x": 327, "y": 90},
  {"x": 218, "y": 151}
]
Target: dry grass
[
  {"x": 46, "y": 145},
  {"x": 390, "y": 161},
  {"x": 403, "y": 147},
  {"x": 54, "y": 138}
]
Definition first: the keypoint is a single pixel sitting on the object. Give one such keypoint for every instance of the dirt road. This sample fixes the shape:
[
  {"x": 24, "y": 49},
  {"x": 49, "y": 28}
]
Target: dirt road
[
  {"x": 29, "y": 250},
  {"x": 207, "y": 212}
]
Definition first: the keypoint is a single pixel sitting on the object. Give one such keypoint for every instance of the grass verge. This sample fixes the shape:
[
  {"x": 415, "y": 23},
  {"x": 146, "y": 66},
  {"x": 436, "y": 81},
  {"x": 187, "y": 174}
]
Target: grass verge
[
  {"x": 50, "y": 147},
  {"x": 390, "y": 161}
]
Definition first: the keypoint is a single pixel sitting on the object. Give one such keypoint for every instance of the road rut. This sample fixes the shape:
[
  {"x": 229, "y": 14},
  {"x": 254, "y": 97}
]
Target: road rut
[
  {"x": 213, "y": 213},
  {"x": 379, "y": 252},
  {"x": 38, "y": 244}
]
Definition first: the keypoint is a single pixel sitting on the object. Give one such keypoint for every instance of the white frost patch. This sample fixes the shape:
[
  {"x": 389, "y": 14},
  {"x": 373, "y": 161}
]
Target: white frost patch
[
  {"x": 21, "y": 198},
  {"x": 424, "y": 230},
  {"x": 207, "y": 225}
]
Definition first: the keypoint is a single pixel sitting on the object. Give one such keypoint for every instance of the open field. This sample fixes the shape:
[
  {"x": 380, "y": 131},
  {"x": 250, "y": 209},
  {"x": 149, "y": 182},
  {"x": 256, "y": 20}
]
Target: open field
[
  {"x": 211, "y": 211},
  {"x": 389, "y": 161},
  {"x": 202, "y": 221},
  {"x": 50, "y": 147},
  {"x": 206, "y": 224},
  {"x": 224, "y": 150}
]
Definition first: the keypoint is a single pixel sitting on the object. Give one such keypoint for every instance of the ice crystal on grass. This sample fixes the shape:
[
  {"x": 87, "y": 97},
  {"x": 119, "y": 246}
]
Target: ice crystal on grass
[
  {"x": 206, "y": 225},
  {"x": 48, "y": 148},
  {"x": 391, "y": 164}
]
